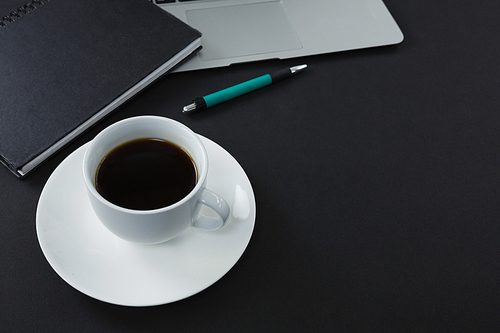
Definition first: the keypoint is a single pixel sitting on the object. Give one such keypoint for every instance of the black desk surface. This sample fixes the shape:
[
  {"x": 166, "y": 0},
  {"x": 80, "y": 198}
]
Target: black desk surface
[{"x": 377, "y": 181}]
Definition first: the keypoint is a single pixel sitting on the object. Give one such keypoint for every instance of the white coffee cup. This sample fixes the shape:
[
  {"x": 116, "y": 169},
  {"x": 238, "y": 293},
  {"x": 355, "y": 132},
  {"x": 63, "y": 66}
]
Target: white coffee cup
[{"x": 162, "y": 224}]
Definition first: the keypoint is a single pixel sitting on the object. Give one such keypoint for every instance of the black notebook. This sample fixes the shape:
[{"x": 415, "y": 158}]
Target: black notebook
[{"x": 64, "y": 65}]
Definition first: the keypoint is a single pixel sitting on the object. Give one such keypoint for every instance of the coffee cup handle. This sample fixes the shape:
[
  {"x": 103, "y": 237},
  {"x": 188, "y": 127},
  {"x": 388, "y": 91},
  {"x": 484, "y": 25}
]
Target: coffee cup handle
[{"x": 218, "y": 205}]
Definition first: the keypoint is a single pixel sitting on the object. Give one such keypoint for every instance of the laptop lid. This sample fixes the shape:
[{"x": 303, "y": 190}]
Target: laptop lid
[{"x": 237, "y": 31}]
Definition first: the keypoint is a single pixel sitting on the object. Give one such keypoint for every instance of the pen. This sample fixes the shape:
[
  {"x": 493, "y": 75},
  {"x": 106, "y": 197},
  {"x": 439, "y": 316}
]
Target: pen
[{"x": 208, "y": 101}]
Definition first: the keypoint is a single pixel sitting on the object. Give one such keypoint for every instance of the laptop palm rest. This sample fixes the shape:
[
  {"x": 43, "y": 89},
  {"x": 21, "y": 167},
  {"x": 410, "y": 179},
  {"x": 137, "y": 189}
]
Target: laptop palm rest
[{"x": 240, "y": 30}]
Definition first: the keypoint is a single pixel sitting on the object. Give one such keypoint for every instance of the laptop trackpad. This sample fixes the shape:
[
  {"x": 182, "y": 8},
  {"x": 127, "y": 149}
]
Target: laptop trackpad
[{"x": 240, "y": 30}]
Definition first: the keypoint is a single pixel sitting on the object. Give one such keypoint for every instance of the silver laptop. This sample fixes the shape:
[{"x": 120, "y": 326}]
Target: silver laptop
[{"x": 237, "y": 31}]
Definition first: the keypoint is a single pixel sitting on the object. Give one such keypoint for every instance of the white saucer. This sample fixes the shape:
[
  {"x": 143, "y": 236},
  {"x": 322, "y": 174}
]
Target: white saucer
[{"x": 99, "y": 264}]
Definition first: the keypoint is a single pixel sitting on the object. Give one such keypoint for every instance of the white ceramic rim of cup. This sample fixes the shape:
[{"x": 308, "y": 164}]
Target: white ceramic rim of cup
[{"x": 89, "y": 181}]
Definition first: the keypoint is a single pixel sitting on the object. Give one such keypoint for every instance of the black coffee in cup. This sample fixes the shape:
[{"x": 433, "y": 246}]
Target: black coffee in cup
[{"x": 146, "y": 174}]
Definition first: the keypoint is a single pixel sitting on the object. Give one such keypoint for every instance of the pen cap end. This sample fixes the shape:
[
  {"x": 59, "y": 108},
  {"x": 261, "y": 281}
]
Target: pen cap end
[{"x": 298, "y": 68}]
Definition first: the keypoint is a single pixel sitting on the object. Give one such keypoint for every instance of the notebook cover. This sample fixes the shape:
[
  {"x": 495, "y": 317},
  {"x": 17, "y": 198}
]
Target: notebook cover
[{"x": 65, "y": 60}]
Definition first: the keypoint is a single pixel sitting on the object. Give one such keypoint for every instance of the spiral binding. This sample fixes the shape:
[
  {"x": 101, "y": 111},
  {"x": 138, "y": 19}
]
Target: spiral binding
[{"x": 20, "y": 12}]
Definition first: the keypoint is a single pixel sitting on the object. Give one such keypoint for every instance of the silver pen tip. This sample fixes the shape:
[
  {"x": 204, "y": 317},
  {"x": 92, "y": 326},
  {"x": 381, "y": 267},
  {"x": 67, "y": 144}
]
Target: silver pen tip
[
  {"x": 189, "y": 108},
  {"x": 298, "y": 68}
]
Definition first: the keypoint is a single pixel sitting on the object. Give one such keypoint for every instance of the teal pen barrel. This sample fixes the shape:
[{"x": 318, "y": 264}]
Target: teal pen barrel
[{"x": 237, "y": 90}]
